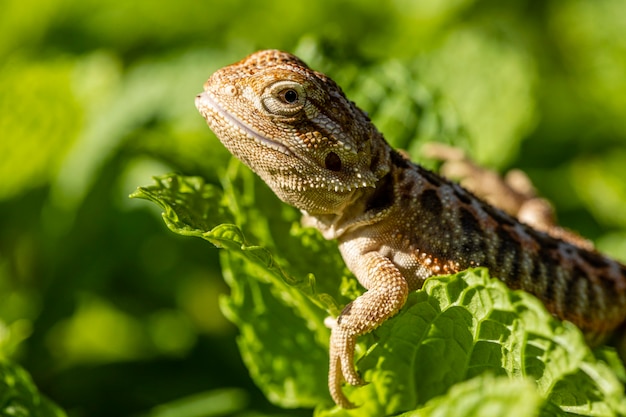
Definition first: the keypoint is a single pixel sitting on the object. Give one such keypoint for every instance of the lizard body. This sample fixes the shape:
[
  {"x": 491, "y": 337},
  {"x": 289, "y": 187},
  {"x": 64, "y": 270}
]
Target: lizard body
[{"x": 396, "y": 222}]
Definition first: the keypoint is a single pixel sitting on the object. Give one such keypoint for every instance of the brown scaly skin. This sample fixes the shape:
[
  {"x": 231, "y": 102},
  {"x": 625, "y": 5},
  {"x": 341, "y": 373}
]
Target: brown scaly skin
[{"x": 396, "y": 222}]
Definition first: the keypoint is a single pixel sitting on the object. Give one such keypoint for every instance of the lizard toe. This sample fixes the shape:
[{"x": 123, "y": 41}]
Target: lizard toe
[
  {"x": 335, "y": 379},
  {"x": 342, "y": 345}
]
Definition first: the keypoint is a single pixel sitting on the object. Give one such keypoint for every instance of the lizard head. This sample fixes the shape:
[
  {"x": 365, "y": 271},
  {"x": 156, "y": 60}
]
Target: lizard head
[{"x": 295, "y": 128}]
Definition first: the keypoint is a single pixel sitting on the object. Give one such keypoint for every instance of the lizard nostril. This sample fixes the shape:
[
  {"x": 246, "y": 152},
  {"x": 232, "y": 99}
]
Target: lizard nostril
[
  {"x": 333, "y": 162},
  {"x": 230, "y": 90}
]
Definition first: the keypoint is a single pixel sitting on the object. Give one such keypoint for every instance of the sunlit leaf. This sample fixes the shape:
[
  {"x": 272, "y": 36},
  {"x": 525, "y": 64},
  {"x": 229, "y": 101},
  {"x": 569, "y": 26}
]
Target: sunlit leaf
[{"x": 457, "y": 327}]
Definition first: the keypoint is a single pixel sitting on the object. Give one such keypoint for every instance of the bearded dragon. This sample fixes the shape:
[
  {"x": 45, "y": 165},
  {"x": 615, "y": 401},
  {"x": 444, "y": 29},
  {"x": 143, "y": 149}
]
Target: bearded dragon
[{"x": 396, "y": 222}]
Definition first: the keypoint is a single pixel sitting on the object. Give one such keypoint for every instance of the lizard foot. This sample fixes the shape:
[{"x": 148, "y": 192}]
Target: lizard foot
[{"x": 386, "y": 294}]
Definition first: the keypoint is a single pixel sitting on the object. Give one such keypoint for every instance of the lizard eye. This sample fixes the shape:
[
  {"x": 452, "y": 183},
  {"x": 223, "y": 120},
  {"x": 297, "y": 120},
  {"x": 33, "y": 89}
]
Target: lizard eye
[
  {"x": 284, "y": 98},
  {"x": 289, "y": 96}
]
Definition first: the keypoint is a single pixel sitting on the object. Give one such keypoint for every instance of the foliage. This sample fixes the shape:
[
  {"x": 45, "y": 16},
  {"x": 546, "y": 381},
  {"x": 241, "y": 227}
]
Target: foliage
[
  {"x": 456, "y": 328},
  {"x": 112, "y": 314},
  {"x": 19, "y": 396}
]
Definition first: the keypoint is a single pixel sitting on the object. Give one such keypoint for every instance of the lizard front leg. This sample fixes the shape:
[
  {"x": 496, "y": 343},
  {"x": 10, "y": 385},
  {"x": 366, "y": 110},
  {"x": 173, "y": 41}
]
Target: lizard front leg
[{"x": 387, "y": 293}]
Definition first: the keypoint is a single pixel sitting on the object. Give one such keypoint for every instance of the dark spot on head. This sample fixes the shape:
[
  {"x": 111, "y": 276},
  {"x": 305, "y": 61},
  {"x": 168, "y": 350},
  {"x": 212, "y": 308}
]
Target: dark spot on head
[
  {"x": 332, "y": 162},
  {"x": 429, "y": 201}
]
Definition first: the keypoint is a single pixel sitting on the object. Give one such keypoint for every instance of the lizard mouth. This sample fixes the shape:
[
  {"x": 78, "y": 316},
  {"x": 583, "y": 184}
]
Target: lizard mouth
[{"x": 205, "y": 102}]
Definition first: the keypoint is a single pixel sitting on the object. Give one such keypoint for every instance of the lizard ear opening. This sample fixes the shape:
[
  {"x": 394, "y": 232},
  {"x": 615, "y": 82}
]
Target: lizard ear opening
[{"x": 332, "y": 162}]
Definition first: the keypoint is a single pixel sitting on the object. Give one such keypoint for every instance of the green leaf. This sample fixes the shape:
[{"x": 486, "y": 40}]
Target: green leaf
[
  {"x": 283, "y": 339},
  {"x": 468, "y": 324},
  {"x": 19, "y": 397},
  {"x": 485, "y": 396},
  {"x": 454, "y": 329},
  {"x": 205, "y": 404}
]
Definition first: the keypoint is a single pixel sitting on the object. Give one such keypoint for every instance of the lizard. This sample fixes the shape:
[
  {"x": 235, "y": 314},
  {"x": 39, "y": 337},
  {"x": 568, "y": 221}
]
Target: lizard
[{"x": 396, "y": 222}]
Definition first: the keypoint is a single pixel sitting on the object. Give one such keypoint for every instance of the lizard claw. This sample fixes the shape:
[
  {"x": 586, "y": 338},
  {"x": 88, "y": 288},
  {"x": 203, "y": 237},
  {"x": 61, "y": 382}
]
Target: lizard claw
[
  {"x": 342, "y": 365},
  {"x": 342, "y": 345}
]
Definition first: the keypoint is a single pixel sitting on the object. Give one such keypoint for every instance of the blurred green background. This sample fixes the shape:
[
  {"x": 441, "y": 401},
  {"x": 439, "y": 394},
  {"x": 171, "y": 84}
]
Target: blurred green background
[{"x": 114, "y": 315}]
